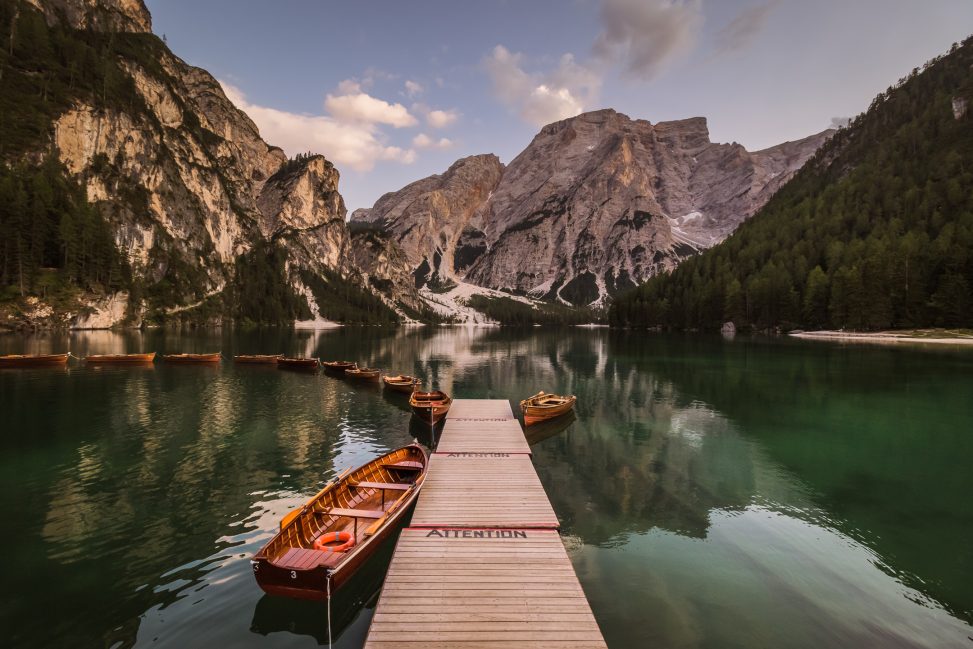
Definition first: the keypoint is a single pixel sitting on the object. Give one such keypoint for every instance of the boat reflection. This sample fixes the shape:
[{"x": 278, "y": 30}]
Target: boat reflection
[
  {"x": 545, "y": 430},
  {"x": 303, "y": 617},
  {"x": 399, "y": 400},
  {"x": 427, "y": 434}
]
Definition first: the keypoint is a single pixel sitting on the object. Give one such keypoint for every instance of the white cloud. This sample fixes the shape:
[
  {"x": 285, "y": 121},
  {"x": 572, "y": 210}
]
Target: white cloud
[
  {"x": 541, "y": 98},
  {"x": 353, "y": 105},
  {"x": 645, "y": 35},
  {"x": 441, "y": 118},
  {"x": 423, "y": 141},
  {"x": 413, "y": 88},
  {"x": 356, "y": 144},
  {"x": 744, "y": 28}
]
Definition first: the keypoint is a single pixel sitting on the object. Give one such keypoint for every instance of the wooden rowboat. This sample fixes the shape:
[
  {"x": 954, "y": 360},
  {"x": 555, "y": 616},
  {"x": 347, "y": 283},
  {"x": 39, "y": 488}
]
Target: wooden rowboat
[
  {"x": 430, "y": 406},
  {"x": 20, "y": 360},
  {"x": 301, "y": 363},
  {"x": 192, "y": 358},
  {"x": 336, "y": 531},
  {"x": 402, "y": 383},
  {"x": 258, "y": 358},
  {"x": 543, "y": 406},
  {"x": 99, "y": 359},
  {"x": 370, "y": 374},
  {"x": 337, "y": 367}
]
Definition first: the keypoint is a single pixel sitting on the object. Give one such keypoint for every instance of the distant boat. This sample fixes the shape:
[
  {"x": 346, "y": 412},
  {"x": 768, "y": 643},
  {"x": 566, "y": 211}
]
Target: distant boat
[
  {"x": 301, "y": 363},
  {"x": 192, "y": 358},
  {"x": 98, "y": 359},
  {"x": 337, "y": 367},
  {"x": 430, "y": 406},
  {"x": 337, "y": 530},
  {"x": 543, "y": 406},
  {"x": 20, "y": 360},
  {"x": 402, "y": 383},
  {"x": 264, "y": 359},
  {"x": 370, "y": 374}
]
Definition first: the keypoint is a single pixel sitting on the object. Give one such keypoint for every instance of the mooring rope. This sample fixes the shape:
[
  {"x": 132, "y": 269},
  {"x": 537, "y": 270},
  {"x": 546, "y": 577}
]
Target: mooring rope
[{"x": 329, "y": 609}]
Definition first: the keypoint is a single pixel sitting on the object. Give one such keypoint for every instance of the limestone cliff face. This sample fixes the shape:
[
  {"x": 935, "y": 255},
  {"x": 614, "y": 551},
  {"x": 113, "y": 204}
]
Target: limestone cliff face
[
  {"x": 300, "y": 204},
  {"x": 594, "y": 205},
  {"x": 427, "y": 218},
  {"x": 186, "y": 180},
  {"x": 382, "y": 265},
  {"x": 98, "y": 15}
]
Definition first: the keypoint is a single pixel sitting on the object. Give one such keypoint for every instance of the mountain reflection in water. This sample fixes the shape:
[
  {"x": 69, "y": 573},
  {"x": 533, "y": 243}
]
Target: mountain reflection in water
[{"x": 711, "y": 493}]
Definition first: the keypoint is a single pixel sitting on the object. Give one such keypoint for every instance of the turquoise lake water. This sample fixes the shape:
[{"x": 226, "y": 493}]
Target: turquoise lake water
[{"x": 712, "y": 493}]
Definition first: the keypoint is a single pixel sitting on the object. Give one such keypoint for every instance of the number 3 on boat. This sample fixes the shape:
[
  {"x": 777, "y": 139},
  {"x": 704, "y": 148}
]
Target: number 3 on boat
[{"x": 338, "y": 529}]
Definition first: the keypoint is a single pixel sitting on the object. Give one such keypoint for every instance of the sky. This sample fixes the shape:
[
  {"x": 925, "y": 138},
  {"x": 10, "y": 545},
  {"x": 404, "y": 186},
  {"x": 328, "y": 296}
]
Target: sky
[{"x": 393, "y": 91}]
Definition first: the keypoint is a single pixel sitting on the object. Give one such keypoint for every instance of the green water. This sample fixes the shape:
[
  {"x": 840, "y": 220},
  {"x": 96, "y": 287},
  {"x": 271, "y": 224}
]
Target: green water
[{"x": 761, "y": 493}]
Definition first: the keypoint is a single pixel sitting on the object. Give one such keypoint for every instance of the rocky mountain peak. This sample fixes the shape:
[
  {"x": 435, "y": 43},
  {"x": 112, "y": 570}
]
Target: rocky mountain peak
[
  {"x": 428, "y": 218},
  {"x": 98, "y": 15},
  {"x": 595, "y": 204}
]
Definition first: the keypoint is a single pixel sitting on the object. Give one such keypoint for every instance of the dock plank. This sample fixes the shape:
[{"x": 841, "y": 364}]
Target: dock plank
[
  {"x": 483, "y": 564},
  {"x": 483, "y": 436},
  {"x": 483, "y": 490},
  {"x": 485, "y": 409},
  {"x": 518, "y": 600}
]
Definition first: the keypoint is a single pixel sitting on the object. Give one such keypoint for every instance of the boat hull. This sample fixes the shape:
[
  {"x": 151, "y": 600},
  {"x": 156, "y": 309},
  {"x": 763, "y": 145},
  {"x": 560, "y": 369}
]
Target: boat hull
[
  {"x": 47, "y": 360},
  {"x": 290, "y": 566},
  {"x": 430, "y": 410},
  {"x": 337, "y": 368},
  {"x": 404, "y": 386},
  {"x": 119, "y": 359},
  {"x": 536, "y": 414},
  {"x": 365, "y": 375},
  {"x": 256, "y": 360},
  {"x": 306, "y": 364},
  {"x": 313, "y": 584},
  {"x": 192, "y": 358}
]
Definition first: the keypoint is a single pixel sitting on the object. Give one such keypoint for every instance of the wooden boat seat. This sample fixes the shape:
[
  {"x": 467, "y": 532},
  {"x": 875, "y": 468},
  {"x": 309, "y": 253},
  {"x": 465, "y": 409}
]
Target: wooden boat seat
[
  {"x": 406, "y": 466},
  {"x": 356, "y": 513},
  {"x": 394, "y": 486},
  {"x": 304, "y": 559}
]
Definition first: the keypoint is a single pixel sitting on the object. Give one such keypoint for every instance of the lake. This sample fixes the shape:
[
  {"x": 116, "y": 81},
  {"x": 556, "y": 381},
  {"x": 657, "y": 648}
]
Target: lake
[{"x": 712, "y": 493}]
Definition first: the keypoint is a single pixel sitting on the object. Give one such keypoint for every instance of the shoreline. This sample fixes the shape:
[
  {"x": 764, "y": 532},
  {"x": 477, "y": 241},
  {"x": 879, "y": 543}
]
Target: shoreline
[{"x": 885, "y": 337}]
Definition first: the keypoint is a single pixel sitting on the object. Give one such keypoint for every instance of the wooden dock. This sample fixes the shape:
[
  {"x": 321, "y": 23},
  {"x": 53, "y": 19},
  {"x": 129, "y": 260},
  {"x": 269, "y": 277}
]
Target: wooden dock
[{"x": 482, "y": 564}]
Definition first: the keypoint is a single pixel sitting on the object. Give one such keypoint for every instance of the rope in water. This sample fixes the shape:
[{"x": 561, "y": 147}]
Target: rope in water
[{"x": 329, "y": 609}]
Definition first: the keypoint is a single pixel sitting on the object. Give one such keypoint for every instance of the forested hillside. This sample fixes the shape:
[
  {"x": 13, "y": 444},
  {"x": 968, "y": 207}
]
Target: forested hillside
[
  {"x": 127, "y": 177},
  {"x": 876, "y": 231}
]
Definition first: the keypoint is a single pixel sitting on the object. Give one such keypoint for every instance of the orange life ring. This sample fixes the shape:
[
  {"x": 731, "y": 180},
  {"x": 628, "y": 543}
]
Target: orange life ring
[{"x": 346, "y": 539}]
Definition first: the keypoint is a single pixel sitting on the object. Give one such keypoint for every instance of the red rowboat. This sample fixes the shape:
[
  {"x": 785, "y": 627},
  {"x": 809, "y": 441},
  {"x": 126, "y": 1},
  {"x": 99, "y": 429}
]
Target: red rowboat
[
  {"x": 402, "y": 383},
  {"x": 192, "y": 358},
  {"x": 19, "y": 360},
  {"x": 430, "y": 406},
  {"x": 338, "y": 367},
  {"x": 98, "y": 359},
  {"x": 335, "y": 532},
  {"x": 370, "y": 374},
  {"x": 258, "y": 358},
  {"x": 543, "y": 406},
  {"x": 297, "y": 363}
]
